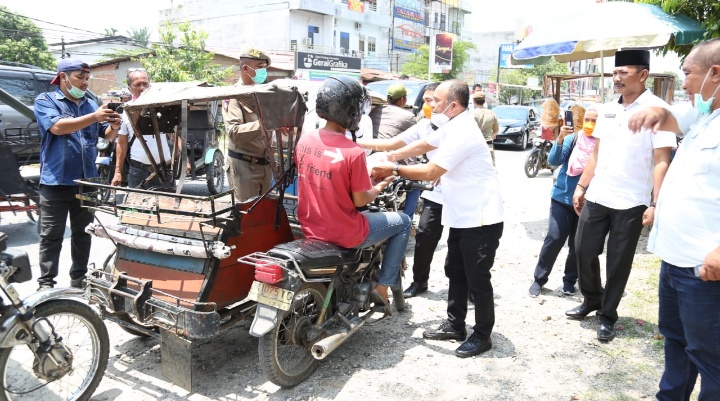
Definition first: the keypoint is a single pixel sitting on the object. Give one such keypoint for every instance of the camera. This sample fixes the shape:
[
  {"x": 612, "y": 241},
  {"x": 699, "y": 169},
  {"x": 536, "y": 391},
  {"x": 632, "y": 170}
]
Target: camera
[{"x": 116, "y": 107}]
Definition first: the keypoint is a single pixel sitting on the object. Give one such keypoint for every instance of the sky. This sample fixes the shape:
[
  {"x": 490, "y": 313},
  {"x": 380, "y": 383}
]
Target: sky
[{"x": 93, "y": 17}]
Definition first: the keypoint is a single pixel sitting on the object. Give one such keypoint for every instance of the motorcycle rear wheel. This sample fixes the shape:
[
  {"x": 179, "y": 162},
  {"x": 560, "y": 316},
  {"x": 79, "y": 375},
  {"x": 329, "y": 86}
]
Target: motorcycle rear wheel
[
  {"x": 83, "y": 333},
  {"x": 284, "y": 353},
  {"x": 532, "y": 164}
]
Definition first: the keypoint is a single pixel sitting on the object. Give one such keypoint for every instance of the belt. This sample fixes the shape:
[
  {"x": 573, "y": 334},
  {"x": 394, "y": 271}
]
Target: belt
[
  {"x": 147, "y": 167},
  {"x": 257, "y": 160}
]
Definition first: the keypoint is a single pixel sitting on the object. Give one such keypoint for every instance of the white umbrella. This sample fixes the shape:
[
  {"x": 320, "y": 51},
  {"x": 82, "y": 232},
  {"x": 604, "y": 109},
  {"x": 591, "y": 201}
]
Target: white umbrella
[{"x": 598, "y": 30}]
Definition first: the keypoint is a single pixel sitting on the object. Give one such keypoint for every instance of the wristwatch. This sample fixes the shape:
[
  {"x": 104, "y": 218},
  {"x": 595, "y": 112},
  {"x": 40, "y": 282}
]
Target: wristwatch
[{"x": 395, "y": 170}]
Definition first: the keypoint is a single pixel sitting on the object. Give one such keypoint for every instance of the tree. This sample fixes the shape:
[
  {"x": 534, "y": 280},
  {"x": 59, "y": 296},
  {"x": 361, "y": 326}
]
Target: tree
[
  {"x": 417, "y": 64},
  {"x": 110, "y": 32},
  {"x": 141, "y": 36},
  {"x": 519, "y": 77},
  {"x": 21, "y": 41},
  {"x": 707, "y": 12},
  {"x": 187, "y": 62}
]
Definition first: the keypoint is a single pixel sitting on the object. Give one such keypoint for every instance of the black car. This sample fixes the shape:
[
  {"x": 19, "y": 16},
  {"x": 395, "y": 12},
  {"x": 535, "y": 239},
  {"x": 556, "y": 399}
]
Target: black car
[
  {"x": 517, "y": 125},
  {"x": 415, "y": 89}
]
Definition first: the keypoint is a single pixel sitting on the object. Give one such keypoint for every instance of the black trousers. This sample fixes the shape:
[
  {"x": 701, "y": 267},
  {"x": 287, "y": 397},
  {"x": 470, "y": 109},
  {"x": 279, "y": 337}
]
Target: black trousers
[
  {"x": 622, "y": 229},
  {"x": 562, "y": 225},
  {"x": 470, "y": 255},
  {"x": 428, "y": 235},
  {"x": 56, "y": 202}
]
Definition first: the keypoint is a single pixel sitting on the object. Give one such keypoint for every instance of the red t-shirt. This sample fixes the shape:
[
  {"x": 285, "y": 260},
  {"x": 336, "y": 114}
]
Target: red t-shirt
[{"x": 330, "y": 168}]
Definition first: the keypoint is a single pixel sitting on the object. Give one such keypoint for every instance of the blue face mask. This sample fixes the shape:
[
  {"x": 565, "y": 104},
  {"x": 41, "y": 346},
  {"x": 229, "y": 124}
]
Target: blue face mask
[
  {"x": 74, "y": 91},
  {"x": 260, "y": 75},
  {"x": 704, "y": 107}
]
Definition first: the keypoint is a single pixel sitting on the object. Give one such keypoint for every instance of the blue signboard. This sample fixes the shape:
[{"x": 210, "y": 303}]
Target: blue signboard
[
  {"x": 410, "y": 15},
  {"x": 405, "y": 45},
  {"x": 505, "y": 53}
]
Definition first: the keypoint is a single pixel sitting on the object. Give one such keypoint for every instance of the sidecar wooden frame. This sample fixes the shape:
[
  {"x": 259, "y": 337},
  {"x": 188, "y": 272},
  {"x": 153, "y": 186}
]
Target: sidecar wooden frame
[{"x": 175, "y": 274}]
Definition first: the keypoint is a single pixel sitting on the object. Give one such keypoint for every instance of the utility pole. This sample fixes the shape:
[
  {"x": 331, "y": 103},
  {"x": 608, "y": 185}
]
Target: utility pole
[{"x": 62, "y": 47}]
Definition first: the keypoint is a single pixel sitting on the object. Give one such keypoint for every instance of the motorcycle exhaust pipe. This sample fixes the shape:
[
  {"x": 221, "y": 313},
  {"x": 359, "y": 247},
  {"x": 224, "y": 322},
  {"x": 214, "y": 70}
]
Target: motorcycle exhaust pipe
[{"x": 324, "y": 347}]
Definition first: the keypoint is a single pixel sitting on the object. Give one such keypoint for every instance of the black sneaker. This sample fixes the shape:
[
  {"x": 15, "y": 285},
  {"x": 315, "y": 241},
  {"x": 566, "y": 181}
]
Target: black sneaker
[
  {"x": 473, "y": 346},
  {"x": 569, "y": 290},
  {"x": 44, "y": 287},
  {"x": 78, "y": 283},
  {"x": 445, "y": 332}
]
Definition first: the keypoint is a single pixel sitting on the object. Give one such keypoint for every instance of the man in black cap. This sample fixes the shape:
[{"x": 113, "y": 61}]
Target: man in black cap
[
  {"x": 70, "y": 123},
  {"x": 249, "y": 172},
  {"x": 617, "y": 191}
]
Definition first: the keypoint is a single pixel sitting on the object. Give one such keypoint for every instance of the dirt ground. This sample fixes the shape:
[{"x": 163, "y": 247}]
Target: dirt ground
[{"x": 537, "y": 353}]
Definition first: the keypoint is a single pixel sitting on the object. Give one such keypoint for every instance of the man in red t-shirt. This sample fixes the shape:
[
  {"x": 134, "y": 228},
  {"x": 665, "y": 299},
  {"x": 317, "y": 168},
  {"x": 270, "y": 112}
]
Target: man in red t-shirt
[{"x": 333, "y": 181}]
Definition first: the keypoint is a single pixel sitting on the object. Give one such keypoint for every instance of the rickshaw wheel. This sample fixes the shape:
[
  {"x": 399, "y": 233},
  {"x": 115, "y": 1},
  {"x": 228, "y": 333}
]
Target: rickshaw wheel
[
  {"x": 215, "y": 174},
  {"x": 284, "y": 353},
  {"x": 109, "y": 267}
]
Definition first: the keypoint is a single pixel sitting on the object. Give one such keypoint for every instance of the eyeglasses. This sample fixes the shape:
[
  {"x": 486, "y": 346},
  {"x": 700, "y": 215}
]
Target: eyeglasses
[{"x": 129, "y": 70}]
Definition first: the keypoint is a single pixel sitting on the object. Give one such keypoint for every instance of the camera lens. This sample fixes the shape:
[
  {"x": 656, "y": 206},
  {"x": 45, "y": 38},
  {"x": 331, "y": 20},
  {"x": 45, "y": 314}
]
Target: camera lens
[{"x": 119, "y": 109}]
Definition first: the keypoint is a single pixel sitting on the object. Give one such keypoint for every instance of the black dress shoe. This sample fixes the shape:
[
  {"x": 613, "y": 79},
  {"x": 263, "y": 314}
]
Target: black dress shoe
[
  {"x": 414, "y": 289},
  {"x": 473, "y": 346},
  {"x": 606, "y": 332},
  {"x": 580, "y": 311},
  {"x": 445, "y": 332}
]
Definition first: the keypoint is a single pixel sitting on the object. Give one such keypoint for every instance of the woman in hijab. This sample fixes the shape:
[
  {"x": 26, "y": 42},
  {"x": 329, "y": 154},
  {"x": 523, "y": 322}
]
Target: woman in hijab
[{"x": 570, "y": 151}]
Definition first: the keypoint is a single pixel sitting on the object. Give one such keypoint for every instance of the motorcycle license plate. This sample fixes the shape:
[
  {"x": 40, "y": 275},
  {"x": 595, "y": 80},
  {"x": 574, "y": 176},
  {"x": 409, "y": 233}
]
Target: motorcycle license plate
[{"x": 270, "y": 295}]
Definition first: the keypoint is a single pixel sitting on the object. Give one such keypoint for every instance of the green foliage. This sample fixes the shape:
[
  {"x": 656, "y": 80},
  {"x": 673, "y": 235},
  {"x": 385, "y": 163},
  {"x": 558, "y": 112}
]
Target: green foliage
[
  {"x": 21, "y": 41},
  {"x": 110, "y": 31},
  {"x": 141, "y": 35},
  {"x": 417, "y": 64},
  {"x": 519, "y": 76},
  {"x": 185, "y": 62},
  {"x": 707, "y": 12}
]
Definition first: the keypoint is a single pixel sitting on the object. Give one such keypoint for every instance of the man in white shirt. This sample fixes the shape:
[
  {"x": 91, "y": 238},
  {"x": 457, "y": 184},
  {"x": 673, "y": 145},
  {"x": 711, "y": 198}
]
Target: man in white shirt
[
  {"x": 140, "y": 169},
  {"x": 619, "y": 179},
  {"x": 686, "y": 231},
  {"x": 430, "y": 226},
  {"x": 472, "y": 208}
]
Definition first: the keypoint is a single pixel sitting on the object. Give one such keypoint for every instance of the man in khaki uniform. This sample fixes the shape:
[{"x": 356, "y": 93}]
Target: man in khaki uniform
[
  {"x": 249, "y": 172},
  {"x": 486, "y": 120}
]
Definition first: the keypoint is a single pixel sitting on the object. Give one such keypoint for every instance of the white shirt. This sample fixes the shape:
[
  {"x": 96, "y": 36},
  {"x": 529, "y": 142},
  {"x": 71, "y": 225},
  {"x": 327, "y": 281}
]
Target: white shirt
[
  {"x": 687, "y": 215},
  {"x": 471, "y": 189},
  {"x": 137, "y": 152},
  {"x": 624, "y": 171},
  {"x": 422, "y": 130}
]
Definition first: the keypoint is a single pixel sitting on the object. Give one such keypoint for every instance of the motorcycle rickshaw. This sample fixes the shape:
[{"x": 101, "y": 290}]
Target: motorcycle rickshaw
[{"x": 175, "y": 273}]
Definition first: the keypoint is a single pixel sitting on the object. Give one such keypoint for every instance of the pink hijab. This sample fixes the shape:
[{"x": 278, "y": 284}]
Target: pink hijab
[{"x": 584, "y": 146}]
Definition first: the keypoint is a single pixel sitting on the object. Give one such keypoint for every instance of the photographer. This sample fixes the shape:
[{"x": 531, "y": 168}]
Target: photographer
[{"x": 140, "y": 169}]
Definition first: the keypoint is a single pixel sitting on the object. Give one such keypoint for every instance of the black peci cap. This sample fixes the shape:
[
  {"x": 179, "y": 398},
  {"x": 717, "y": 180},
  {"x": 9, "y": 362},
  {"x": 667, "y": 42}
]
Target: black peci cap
[{"x": 632, "y": 57}]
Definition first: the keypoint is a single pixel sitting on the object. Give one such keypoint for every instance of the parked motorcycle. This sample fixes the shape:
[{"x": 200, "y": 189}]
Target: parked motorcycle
[
  {"x": 53, "y": 346},
  {"x": 105, "y": 162},
  {"x": 538, "y": 157},
  {"x": 313, "y": 295}
]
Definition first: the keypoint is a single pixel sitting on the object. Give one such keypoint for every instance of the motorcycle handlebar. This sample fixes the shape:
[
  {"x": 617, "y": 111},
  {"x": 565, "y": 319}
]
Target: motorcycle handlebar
[{"x": 421, "y": 185}]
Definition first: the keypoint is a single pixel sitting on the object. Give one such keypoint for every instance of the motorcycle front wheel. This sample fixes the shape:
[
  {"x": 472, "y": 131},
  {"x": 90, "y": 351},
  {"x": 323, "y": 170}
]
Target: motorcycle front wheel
[
  {"x": 83, "y": 334},
  {"x": 532, "y": 164},
  {"x": 285, "y": 352}
]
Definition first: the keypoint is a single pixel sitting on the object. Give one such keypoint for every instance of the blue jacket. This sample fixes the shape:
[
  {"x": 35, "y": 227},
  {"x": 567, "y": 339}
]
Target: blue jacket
[
  {"x": 564, "y": 187},
  {"x": 65, "y": 158}
]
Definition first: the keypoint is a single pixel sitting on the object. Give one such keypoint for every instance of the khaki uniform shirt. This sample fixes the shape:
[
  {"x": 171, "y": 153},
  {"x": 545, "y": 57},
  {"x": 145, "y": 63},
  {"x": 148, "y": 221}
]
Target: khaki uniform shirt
[
  {"x": 487, "y": 121},
  {"x": 244, "y": 132}
]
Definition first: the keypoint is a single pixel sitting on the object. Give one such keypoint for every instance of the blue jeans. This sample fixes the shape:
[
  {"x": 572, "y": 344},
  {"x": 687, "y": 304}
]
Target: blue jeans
[
  {"x": 394, "y": 227},
  {"x": 689, "y": 319},
  {"x": 411, "y": 201},
  {"x": 136, "y": 177}
]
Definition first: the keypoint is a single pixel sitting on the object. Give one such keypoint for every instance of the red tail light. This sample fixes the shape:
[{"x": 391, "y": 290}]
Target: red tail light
[{"x": 269, "y": 273}]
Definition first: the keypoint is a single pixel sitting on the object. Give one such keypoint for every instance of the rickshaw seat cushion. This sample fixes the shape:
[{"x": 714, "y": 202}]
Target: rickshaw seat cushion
[
  {"x": 311, "y": 253},
  {"x": 11, "y": 182}
]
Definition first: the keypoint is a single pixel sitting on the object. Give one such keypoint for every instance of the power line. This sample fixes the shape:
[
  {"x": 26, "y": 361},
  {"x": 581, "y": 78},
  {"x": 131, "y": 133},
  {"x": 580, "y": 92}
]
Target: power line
[{"x": 46, "y": 22}]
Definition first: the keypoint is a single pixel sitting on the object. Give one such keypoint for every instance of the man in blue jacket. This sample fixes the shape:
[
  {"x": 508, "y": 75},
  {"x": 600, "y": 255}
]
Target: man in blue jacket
[{"x": 70, "y": 124}]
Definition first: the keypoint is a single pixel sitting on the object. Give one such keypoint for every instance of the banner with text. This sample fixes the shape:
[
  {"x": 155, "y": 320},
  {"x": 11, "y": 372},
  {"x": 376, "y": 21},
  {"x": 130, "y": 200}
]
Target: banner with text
[
  {"x": 316, "y": 66},
  {"x": 441, "y": 54}
]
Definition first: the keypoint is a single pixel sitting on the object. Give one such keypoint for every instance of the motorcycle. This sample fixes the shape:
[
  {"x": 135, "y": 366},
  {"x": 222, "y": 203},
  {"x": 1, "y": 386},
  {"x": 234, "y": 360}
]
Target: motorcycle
[
  {"x": 105, "y": 162},
  {"x": 52, "y": 344},
  {"x": 313, "y": 295},
  {"x": 538, "y": 157}
]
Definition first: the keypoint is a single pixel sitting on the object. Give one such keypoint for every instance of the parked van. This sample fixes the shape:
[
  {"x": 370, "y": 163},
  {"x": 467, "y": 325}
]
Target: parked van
[{"x": 18, "y": 127}]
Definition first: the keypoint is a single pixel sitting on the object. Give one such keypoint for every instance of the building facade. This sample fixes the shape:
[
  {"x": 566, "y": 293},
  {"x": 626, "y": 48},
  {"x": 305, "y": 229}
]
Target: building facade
[{"x": 380, "y": 33}]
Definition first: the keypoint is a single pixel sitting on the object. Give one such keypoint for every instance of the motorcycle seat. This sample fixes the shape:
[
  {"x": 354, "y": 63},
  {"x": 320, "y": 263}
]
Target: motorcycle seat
[{"x": 311, "y": 253}]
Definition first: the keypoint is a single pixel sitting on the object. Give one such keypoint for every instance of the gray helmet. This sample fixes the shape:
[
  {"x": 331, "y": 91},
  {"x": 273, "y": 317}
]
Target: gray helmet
[{"x": 342, "y": 100}]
